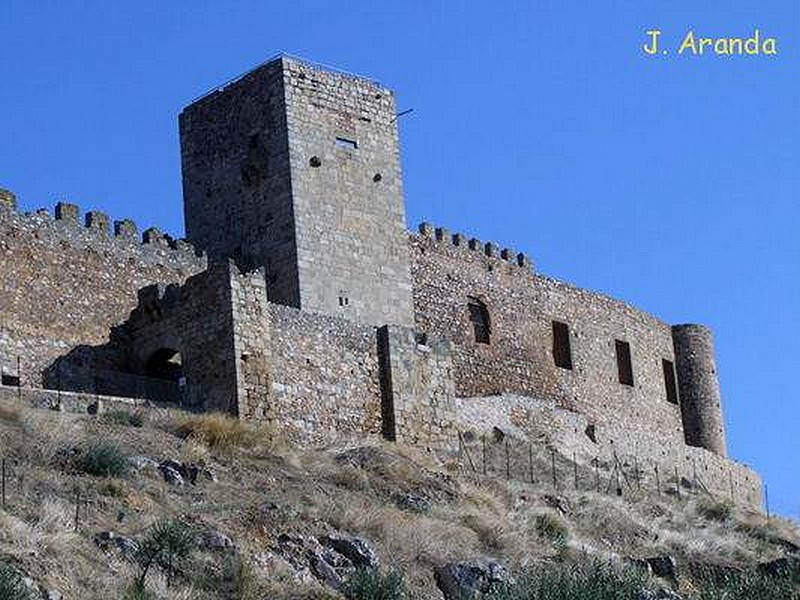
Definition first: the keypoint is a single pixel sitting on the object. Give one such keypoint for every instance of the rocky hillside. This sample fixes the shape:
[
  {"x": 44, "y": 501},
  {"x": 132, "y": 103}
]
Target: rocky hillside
[{"x": 163, "y": 504}]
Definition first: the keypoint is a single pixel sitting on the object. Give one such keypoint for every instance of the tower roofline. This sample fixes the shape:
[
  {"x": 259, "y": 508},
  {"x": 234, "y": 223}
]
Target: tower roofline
[{"x": 281, "y": 56}]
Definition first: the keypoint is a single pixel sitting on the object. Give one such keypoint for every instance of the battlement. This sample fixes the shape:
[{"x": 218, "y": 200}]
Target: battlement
[
  {"x": 73, "y": 226},
  {"x": 490, "y": 250}
]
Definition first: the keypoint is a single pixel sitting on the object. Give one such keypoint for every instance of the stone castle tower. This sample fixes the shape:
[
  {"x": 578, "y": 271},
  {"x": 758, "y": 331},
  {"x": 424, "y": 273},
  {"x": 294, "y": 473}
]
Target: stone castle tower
[{"x": 297, "y": 170}]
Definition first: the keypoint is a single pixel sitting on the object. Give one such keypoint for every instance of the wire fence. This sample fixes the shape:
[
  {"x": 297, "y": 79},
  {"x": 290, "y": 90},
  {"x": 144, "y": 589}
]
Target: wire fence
[{"x": 631, "y": 477}]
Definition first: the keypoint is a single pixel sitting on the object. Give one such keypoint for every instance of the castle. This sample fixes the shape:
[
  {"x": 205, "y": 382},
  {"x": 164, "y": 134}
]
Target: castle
[{"x": 301, "y": 298}]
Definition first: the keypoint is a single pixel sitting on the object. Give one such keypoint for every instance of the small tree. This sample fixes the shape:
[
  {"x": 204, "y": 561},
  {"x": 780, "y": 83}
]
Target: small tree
[{"x": 167, "y": 544}]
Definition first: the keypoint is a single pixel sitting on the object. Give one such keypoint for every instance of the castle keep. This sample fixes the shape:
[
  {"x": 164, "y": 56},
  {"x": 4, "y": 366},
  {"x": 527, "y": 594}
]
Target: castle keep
[{"x": 301, "y": 298}]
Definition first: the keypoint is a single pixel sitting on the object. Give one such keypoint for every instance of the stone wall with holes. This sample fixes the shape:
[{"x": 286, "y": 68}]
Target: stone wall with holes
[
  {"x": 449, "y": 269},
  {"x": 297, "y": 169},
  {"x": 66, "y": 279},
  {"x": 643, "y": 459},
  {"x": 349, "y": 209}
]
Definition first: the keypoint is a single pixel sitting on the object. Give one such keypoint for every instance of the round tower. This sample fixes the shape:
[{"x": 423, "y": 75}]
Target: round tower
[{"x": 701, "y": 404}]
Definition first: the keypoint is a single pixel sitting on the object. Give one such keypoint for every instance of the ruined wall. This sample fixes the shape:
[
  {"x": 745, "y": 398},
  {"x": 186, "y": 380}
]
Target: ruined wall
[
  {"x": 66, "y": 281},
  {"x": 447, "y": 270},
  {"x": 196, "y": 320},
  {"x": 417, "y": 388},
  {"x": 637, "y": 451}
]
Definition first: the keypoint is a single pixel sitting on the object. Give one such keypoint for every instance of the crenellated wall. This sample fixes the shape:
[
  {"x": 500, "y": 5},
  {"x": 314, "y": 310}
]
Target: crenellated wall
[
  {"x": 67, "y": 279},
  {"x": 519, "y": 357}
]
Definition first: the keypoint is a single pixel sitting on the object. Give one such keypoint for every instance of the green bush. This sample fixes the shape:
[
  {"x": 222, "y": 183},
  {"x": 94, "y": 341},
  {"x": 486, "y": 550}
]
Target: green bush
[
  {"x": 11, "y": 585},
  {"x": 104, "y": 459},
  {"x": 169, "y": 543},
  {"x": 371, "y": 584},
  {"x": 593, "y": 581},
  {"x": 550, "y": 527},
  {"x": 123, "y": 417}
]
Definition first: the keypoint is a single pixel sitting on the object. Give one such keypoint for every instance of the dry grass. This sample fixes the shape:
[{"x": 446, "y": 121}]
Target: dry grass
[{"x": 224, "y": 433}]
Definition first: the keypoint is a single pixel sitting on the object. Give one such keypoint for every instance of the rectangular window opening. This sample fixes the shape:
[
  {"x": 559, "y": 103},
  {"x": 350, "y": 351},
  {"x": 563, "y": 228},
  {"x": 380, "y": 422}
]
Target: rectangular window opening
[
  {"x": 562, "y": 353},
  {"x": 624, "y": 366},
  {"x": 10, "y": 380},
  {"x": 669, "y": 381},
  {"x": 346, "y": 143},
  {"x": 479, "y": 316}
]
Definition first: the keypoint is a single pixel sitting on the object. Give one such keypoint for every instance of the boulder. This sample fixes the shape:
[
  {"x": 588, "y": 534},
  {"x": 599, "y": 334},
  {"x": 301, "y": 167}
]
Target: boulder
[
  {"x": 215, "y": 540},
  {"x": 112, "y": 541},
  {"x": 171, "y": 475},
  {"x": 412, "y": 503},
  {"x": 464, "y": 581},
  {"x": 142, "y": 462},
  {"x": 356, "y": 549},
  {"x": 663, "y": 566}
]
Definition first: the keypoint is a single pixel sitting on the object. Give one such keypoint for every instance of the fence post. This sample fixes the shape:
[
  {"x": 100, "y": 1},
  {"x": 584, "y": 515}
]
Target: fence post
[
  {"x": 638, "y": 475},
  {"x": 508, "y": 464},
  {"x": 19, "y": 378},
  {"x": 3, "y": 477},
  {"x": 677, "y": 483},
  {"x": 530, "y": 460},
  {"x": 730, "y": 486},
  {"x": 77, "y": 507},
  {"x": 483, "y": 441},
  {"x": 766, "y": 501},
  {"x": 658, "y": 481},
  {"x": 553, "y": 463},
  {"x": 597, "y": 474},
  {"x": 694, "y": 477},
  {"x": 575, "y": 469}
]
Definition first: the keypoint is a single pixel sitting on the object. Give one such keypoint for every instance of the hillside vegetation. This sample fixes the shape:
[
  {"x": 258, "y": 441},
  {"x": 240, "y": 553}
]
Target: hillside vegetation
[{"x": 164, "y": 504}]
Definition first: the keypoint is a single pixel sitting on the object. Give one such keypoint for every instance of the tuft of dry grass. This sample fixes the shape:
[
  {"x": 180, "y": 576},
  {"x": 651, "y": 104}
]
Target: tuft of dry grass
[{"x": 224, "y": 433}]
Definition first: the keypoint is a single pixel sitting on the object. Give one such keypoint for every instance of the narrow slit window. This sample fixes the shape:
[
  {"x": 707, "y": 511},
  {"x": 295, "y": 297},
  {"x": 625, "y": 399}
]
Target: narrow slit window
[
  {"x": 479, "y": 316},
  {"x": 562, "y": 352},
  {"x": 669, "y": 381},
  {"x": 624, "y": 366},
  {"x": 346, "y": 143}
]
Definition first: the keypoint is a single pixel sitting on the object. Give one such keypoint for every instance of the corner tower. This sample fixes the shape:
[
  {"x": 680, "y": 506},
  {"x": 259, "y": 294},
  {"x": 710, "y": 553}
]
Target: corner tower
[
  {"x": 701, "y": 403},
  {"x": 297, "y": 169}
]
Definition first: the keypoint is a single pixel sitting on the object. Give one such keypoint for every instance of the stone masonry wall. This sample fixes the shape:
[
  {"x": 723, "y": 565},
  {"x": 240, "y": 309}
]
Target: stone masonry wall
[
  {"x": 196, "y": 320},
  {"x": 66, "y": 281},
  {"x": 547, "y": 424},
  {"x": 417, "y": 389},
  {"x": 347, "y": 186},
  {"x": 448, "y": 270},
  {"x": 236, "y": 182},
  {"x": 324, "y": 376}
]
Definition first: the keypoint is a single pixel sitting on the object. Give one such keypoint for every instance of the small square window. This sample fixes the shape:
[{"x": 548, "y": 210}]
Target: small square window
[
  {"x": 346, "y": 143},
  {"x": 481, "y": 323}
]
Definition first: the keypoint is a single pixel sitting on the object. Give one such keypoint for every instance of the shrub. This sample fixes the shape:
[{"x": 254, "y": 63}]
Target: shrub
[
  {"x": 124, "y": 417},
  {"x": 595, "y": 581},
  {"x": 12, "y": 587},
  {"x": 168, "y": 544},
  {"x": 223, "y": 432},
  {"x": 104, "y": 459},
  {"x": 750, "y": 585},
  {"x": 550, "y": 527},
  {"x": 714, "y": 511},
  {"x": 371, "y": 584}
]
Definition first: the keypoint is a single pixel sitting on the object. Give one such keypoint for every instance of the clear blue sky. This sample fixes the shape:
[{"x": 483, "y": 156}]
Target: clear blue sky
[{"x": 670, "y": 182}]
